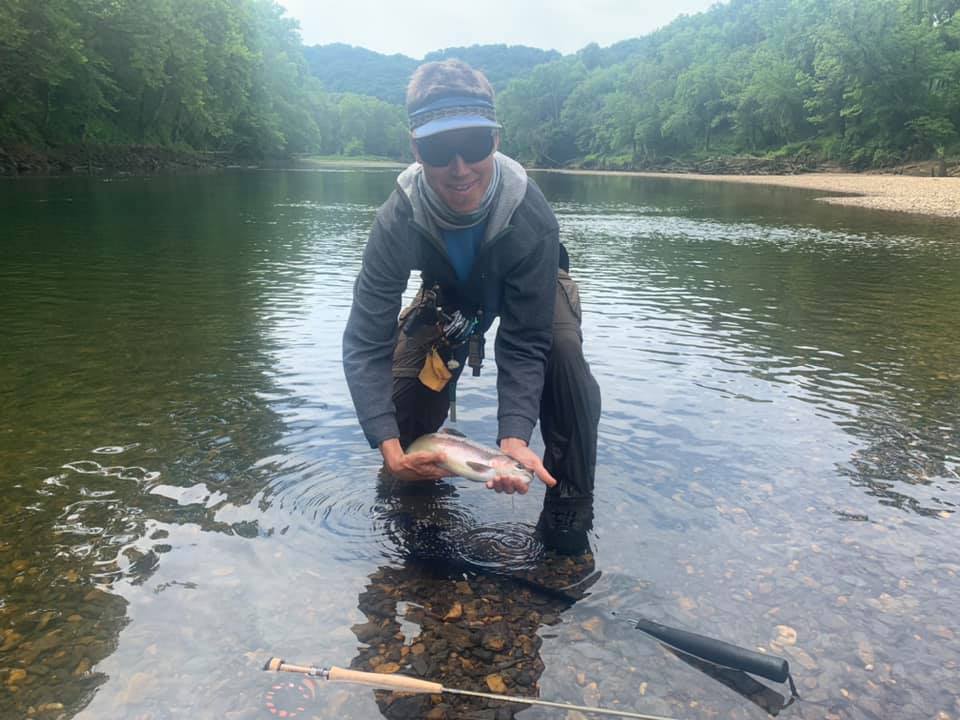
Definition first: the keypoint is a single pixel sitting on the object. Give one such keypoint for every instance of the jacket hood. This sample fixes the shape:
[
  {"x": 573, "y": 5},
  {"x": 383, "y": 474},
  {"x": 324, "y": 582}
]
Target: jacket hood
[{"x": 512, "y": 191}]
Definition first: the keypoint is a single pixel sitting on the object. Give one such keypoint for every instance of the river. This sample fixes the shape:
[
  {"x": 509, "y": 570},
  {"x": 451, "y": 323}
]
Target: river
[{"x": 186, "y": 490}]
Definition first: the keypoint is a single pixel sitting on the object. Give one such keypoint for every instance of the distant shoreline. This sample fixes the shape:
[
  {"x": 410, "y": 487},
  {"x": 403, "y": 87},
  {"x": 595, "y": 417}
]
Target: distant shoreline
[
  {"x": 932, "y": 196},
  {"x": 345, "y": 161},
  {"x": 27, "y": 161},
  {"x": 937, "y": 196}
]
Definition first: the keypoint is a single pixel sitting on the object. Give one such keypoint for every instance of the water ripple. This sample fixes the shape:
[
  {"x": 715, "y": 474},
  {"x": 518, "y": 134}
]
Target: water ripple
[
  {"x": 501, "y": 546},
  {"x": 778, "y": 441}
]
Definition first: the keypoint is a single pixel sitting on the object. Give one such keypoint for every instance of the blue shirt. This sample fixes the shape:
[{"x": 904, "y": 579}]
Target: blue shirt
[{"x": 462, "y": 247}]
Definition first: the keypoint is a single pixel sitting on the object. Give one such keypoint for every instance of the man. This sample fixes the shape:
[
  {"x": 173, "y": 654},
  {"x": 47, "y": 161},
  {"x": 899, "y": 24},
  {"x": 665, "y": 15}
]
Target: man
[{"x": 487, "y": 244}]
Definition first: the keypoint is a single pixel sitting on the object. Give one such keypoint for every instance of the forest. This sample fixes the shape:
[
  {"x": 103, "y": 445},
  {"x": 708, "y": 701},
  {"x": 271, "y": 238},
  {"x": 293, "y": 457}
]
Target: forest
[
  {"x": 863, "y": 83},
  {"x": 860, "y": 83},
  {"x": 344, "y": 68}
]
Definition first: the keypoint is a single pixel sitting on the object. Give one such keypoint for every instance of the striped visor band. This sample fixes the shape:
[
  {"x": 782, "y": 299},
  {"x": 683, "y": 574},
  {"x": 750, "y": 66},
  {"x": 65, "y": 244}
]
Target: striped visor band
[{"x": 452, "y": 113}]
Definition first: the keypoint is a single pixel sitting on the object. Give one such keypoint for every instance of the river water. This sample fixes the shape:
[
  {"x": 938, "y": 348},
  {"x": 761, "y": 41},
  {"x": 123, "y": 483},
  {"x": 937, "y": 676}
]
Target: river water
[{"x": 186, "y": 491}]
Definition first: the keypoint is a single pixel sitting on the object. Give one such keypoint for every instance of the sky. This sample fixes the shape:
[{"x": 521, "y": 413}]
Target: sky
[{"x": 416, "y": 27}]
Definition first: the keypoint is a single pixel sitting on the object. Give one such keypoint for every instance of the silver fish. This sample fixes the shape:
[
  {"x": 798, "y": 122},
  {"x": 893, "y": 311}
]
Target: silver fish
[{"x": 470, "y": 459}]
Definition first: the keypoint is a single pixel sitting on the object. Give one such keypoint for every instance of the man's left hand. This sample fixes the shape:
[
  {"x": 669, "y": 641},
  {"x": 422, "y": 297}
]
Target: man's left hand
[{"x": 518, "y": 450}]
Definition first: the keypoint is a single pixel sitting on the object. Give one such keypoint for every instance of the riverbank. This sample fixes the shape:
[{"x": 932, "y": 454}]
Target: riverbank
[
  {"x": 20, "y": 160},
  {"x": 17, "y": 160},
  {"x": 938, "y": 196},
  {"x": 345, "y": 162}
]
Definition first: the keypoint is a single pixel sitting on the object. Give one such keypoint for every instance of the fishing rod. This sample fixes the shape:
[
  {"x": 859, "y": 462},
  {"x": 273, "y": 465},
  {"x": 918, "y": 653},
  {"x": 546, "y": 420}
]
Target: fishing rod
[{"x": 404, "y": 683}]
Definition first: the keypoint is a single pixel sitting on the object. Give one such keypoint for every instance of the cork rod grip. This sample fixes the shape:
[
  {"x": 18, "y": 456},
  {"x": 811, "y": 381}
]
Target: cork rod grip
[{"x": 387, "y": 682}]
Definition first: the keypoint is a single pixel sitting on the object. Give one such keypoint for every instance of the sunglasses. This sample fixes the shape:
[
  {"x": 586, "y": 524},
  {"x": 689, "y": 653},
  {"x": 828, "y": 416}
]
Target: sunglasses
[{"x": 472, "y": 146}]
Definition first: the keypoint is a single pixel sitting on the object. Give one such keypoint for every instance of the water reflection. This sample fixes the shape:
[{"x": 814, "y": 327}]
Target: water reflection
[
  {"x": 767, "y": 699},
  {"x": 910, "y": 466},
  {"x": 147, "y": 410},
  {"x": 186, "y": 489},
  {"x": 466, "y": 603},
  {"x": 819, "y": 312}
]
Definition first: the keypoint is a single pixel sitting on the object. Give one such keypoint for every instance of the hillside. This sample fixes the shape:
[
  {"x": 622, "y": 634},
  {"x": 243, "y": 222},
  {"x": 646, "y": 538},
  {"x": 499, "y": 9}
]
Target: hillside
[
  {"x": 345, "y": 68},
  {"x": 862, "y": 83},
  {"x": 793, "y": 83}
]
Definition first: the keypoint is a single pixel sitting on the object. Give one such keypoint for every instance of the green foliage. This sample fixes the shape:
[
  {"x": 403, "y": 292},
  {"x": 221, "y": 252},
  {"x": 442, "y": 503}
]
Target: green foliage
[
  {"x": 345, "y": 68},
  {"x": 500, "y": 63},
  {"x": 367, "y": 126},
  {"x": 863, "y": 82},
  {"x": 349, "y": 69},
  {"x": 770, "y": 109},
  {"x": 532, "y": 110},
  {"x": 207, "y": 74},
  {"x": 203, "y": 73}
]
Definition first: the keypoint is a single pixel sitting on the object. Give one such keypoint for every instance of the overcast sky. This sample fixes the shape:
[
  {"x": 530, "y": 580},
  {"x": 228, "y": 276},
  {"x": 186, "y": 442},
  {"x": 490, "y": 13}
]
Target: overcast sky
[{"x": 415, "y": 27}]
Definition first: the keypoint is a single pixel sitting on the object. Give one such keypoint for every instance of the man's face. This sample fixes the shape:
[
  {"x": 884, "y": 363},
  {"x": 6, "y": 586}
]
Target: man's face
[{"x": 460, "y": 184}]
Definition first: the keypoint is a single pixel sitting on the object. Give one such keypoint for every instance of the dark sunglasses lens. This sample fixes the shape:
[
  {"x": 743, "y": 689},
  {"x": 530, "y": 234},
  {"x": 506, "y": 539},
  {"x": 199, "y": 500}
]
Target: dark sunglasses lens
[
  {"x": 476, "y": 146},
  {"x": 434, "y": 152},
  {"x": 438, "y": 151}
]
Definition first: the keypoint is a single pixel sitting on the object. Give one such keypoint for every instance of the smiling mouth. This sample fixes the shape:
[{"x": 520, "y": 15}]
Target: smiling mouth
[{"x": 463, "y": 188}]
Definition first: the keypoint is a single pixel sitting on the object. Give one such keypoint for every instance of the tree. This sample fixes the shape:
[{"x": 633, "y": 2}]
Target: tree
[
  {"x": 770, "y": 109},
  {"x": 866, "y": 82},
  {"x": 531, "y": 109}
]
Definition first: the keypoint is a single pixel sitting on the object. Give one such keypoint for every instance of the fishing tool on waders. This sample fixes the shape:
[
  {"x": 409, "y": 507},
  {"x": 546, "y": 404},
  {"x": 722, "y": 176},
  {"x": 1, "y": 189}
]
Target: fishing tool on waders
[
  {"x": 403, "y": 683},
  {"x": 453, "y": 330}
]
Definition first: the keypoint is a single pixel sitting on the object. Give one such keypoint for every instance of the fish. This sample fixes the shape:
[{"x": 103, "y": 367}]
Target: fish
[{"x": 470, "y": 459}]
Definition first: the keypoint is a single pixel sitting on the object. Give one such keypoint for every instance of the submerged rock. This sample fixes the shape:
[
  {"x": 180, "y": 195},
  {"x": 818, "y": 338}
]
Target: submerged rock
[{"x": 496, "y": 684}]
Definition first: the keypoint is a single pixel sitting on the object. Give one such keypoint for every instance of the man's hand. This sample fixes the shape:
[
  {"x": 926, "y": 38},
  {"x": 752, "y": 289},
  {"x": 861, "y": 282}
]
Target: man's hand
[
  {"x": 412, "y": 466},
  {"x": 518, "y": 450}
]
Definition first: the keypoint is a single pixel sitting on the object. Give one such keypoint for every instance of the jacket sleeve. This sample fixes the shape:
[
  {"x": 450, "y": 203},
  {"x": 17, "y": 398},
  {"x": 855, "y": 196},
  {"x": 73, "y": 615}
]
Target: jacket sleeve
[
  {"x": 371, "y": 332},
  {"x": 523, "y": 340}
]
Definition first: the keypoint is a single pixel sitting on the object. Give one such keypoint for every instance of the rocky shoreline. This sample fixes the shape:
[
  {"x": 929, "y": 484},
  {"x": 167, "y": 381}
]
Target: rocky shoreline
[
  {"x": 20, "y": 160},
  {"x": 800, "y": 164},
  {"x": 902, "y": 193},
  {"x": 722, "y": 165}
]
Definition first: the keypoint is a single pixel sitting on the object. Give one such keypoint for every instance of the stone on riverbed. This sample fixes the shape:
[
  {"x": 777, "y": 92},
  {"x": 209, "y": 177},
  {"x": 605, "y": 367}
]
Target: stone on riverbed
[{"x": 496, "y": 684}]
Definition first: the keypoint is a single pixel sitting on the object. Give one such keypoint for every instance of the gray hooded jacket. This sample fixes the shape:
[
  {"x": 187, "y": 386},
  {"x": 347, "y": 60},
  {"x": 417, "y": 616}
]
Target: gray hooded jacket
[{"x": 514, "y": 277}]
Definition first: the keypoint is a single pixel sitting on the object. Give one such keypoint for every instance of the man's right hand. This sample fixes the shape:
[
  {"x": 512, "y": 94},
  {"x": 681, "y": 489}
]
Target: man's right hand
[{"x": 412, "y": 466}]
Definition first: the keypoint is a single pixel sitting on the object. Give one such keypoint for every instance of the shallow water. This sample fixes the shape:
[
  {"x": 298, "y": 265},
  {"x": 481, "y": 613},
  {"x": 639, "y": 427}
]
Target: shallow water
[{"x": 187, "y": 491}]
